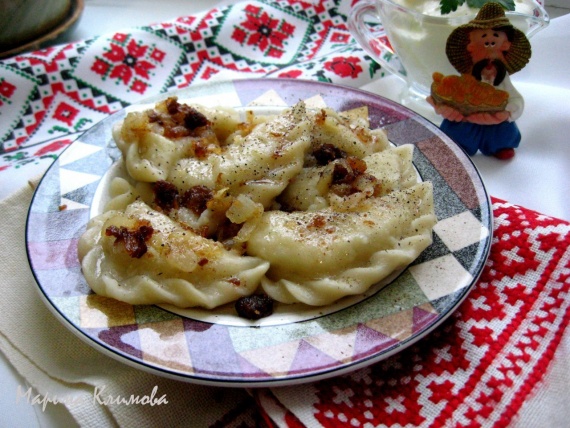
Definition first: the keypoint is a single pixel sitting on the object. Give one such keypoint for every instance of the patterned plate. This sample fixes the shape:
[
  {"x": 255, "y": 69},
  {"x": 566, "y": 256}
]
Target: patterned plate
[{"x": 294, "y": 345}]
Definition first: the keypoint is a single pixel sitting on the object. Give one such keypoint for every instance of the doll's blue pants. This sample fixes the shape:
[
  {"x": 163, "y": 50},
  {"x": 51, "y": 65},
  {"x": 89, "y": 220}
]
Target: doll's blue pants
[{"x": 489, "y": 139}]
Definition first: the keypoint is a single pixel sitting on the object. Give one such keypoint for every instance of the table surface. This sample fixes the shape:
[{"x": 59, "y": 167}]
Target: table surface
[{"x": 101, "y": 16}]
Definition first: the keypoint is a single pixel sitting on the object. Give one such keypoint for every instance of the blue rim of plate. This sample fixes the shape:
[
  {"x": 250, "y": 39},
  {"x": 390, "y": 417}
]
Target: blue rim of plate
[{"x": 165, "y": 343}]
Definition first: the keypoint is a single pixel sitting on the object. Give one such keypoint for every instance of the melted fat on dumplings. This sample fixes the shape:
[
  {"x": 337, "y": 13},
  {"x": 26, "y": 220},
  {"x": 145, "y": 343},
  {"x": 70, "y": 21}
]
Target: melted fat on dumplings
[{"x": 306, "y": 206}]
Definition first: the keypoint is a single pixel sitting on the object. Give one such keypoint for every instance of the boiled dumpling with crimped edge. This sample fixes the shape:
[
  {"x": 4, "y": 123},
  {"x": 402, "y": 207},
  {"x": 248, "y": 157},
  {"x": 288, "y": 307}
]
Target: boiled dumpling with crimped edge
[
  {"x": 320, "y": 256},
  {"x": 141, "y": 256},
  {"x": 350, "y": 135},
  {"x": 260, "y": 164},
  {"x": 154, "y": 140},
  {"x": 309, "y": 191}
]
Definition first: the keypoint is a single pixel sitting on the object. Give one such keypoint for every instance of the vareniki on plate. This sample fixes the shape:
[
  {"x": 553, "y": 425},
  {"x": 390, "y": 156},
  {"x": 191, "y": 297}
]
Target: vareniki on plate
[{"x": 305, "y": 206}]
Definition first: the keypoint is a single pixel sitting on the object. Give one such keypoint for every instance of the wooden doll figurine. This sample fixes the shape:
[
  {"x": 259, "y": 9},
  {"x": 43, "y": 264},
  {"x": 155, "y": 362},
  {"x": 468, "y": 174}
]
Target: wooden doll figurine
[{"x": 479, "y": 113}]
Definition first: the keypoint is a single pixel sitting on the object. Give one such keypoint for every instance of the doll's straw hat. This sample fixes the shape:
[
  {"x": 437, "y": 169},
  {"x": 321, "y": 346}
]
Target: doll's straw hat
[{"x": 490, "y": 16}]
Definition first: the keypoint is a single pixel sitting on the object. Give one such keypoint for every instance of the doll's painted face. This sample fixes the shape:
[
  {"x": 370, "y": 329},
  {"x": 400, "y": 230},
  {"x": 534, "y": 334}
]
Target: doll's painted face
[{"x": 487, "y": 44}]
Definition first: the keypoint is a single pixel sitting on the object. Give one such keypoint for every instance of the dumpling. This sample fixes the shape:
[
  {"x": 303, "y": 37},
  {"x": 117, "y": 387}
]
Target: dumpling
[
  {"x": 260, "y": 164},
  {"x": 352, "y": 136},
  {"x": 393, "y": 168},
  {"x": 141, "y": 256},
  {"x": 309, "y": 190},
  {"x": 318, "y": 257},
  {"x": 153, "y": 141}
]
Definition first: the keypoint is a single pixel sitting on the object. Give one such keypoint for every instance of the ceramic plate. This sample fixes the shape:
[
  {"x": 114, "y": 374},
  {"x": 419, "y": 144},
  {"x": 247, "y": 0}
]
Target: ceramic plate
[{"x": 296, "y": 344}]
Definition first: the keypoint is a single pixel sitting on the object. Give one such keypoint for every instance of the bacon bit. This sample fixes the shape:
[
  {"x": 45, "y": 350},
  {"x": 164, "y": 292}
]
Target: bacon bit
[
  {"x": 363, "y": 135},
  {"x": 378, "y": 188},
  {"x": 185, "y": 115},
  {"x": 321, "y": 117},
  {"x": 358, "y": 165},
  {"x": 201, "y": 151},
  {"x": 227, "y": 230},
  {"x": 181, "y": 120},
  {"x": 196, "y": 199},
  {"x": 171, "y": 105},
  {"x": 153, "y": 116},
  {"x": 326, "y": 153},
  {"x": 234, "y": 281},
  {"x": 254, "y": 307},
  {"x": 342, "y": 174},
  {"x": 346, "y": 171},
  {"x": 62, "y": 207},
  {"x": 203, "y": 262},
  {"x": 317, "y": 222},
  {"x": 166, "y": 196},
  {"x": 133, "y": 239},
  {"x": 350, "y": 176},
  {"x": 193, "y": 119}
]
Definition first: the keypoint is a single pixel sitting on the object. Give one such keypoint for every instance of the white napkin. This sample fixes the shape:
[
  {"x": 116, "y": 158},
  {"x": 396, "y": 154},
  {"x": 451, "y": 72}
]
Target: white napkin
[{"x": 57, "y": 364}]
